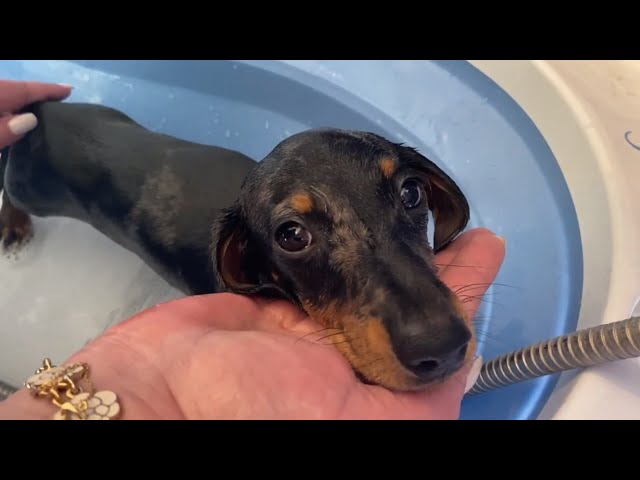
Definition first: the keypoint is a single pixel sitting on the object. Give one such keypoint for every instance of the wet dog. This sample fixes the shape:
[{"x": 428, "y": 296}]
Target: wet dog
[{"x": 334, "y": 221}]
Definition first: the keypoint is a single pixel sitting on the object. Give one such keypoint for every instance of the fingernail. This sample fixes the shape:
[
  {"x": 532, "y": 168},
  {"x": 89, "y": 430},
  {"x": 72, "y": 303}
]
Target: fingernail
[
  {"x": 474, "y": 373},
  {"x": 66, "y": 85},
  {"x": 502, "y": 239},
  {"x": 21, "y": 124}
]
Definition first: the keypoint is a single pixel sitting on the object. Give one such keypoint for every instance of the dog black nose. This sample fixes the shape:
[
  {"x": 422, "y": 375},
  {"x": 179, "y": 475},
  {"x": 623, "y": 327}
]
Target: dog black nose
[{"x": 430, "y": 349}]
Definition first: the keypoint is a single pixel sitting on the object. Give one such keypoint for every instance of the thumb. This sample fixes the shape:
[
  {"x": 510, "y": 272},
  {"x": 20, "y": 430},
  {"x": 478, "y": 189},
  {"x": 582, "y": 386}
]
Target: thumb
[
  {"x": 459, "y": 384},
  {"x": 473, "y": 374}
]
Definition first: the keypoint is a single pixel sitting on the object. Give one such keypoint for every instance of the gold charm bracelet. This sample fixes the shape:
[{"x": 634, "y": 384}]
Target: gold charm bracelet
[{"x": 62, "y": 386}]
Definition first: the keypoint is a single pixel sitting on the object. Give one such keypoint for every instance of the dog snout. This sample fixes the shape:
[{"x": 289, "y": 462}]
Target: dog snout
[{"x": 431, "y": 348}]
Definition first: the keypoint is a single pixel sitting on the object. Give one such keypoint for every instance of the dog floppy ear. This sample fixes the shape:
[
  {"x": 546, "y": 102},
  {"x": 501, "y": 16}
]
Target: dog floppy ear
[
  {"x": 239, "y": 260},
  {"x": 446, "y": 201}
]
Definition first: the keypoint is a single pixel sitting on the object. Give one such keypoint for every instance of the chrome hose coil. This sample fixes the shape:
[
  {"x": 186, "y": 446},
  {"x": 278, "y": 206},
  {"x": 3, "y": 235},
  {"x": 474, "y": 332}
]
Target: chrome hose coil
[{"x": 584, "y": 348}]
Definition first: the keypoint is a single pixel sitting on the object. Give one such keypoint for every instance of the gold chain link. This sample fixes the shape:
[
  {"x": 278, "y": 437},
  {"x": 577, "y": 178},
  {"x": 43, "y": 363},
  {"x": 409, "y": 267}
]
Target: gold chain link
[{"x": 62, "y": 386}]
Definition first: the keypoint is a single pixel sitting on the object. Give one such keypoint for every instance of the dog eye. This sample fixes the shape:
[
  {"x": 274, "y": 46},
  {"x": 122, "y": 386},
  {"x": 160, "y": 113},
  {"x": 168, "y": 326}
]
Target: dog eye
[
  {"x": 411, "y": 194},
  {"x": 293, "y": 237}
]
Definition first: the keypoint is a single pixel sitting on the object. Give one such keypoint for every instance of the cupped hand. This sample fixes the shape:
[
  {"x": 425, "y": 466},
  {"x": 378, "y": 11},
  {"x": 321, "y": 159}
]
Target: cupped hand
[
  {"x": 230, "y": 357},
  {"x": 14, "y": 96}
]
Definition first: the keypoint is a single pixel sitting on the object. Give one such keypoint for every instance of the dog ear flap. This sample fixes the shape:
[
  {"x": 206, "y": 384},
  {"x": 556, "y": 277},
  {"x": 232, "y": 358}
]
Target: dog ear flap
[
  {"x": 446, "y": 201},
  {"x": 239, "y": 262}
]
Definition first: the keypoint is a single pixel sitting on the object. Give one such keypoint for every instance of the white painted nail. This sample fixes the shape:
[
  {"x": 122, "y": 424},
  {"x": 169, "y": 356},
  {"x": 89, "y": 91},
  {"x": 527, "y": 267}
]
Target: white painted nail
[
  {"x": 21, "y": 124},
  {"x": 474, "y": 373},
  {"x": 66, "y": 85}
]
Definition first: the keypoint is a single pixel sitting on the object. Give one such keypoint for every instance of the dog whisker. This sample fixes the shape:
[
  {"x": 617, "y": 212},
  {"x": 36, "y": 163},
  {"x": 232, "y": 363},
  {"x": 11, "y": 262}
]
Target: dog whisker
[
  {"x": 440, "y": 265},
  {"x": 472, "y": 296},
  {"x": 303, "y": 337},
  {"x": 483, "y": 336},
  {"x": 487, "y": 294},
  {"x": 468, "y": 288},
  {"x": 333, "y": 343},
  {"x": 329, "y": 336},
  {"x": 457, "y": 288},
  {"x": 480, "y": 299}
]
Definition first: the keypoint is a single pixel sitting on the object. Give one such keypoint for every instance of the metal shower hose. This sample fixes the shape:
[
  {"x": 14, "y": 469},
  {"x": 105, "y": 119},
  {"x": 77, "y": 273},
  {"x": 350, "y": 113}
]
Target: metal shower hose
[{"x": 583, "y": 348}]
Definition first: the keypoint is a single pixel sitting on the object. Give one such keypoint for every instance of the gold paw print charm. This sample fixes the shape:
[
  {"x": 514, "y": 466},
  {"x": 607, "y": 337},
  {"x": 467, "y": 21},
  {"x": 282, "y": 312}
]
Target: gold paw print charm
[
  {"x": 62, "y": 386},
  {"x": 53, "y": 377},
  {"x": 99, "y": 406}
]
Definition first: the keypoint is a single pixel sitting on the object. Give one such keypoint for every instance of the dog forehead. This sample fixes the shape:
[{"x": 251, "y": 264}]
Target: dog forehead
[
  {"x": 330, "y": 170},
  {"x": 325, "y": 186}
]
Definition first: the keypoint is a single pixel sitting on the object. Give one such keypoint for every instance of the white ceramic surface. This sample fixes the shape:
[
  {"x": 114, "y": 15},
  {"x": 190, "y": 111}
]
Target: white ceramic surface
[{"x": 589, "y": 113}]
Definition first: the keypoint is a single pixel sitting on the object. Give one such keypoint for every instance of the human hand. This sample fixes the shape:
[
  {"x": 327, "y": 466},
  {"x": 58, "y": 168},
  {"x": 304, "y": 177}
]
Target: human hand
[
  {"x": 14, "y": 96},
  {"x": 230, "y": 357}
]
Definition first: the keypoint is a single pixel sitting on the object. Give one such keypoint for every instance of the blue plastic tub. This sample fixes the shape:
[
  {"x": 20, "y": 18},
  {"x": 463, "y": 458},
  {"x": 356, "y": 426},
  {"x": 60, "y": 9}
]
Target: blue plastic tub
[{"x": 449, "y": 110}]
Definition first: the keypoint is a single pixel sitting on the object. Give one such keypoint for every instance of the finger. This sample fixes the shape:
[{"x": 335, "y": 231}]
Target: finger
[
  {"x": 14, "y": 95},
  {"x": 237, "y": 312},
  {"x": 13, "y": 127},
  {"x": 473, "y": 374},
  {"x": 474, "y": 267},
  {"x": 444, "y": 259},
  {"x": 222, "y": 311}
]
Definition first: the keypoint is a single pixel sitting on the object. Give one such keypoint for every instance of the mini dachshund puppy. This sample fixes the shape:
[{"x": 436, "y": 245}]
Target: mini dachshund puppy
[{"x": 334, "y": 221}]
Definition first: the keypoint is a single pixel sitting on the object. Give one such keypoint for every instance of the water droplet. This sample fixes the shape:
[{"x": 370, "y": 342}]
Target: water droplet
[
  {"x": 237, "y": 134},
  {"x": 216, "y": 120},
  {"x": 266, "y": 125},
  {"x": 83, "y": 77},
  {"x": 94, "y": 99},
  {"x": 227, "y": 133}
]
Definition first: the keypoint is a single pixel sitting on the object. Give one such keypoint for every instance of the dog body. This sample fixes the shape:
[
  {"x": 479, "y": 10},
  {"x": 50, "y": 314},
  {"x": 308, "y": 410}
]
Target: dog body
[
  {"x": 153, "y": 194},
  {"x": 333, "y": 220}
]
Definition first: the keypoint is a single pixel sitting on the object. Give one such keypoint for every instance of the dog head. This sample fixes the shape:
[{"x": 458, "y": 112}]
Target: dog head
[{"x": 336, "y": 221}]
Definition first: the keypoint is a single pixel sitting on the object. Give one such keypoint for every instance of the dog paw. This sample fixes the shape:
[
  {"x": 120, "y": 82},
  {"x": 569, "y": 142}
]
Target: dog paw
[{"x": 15, "y": 231}]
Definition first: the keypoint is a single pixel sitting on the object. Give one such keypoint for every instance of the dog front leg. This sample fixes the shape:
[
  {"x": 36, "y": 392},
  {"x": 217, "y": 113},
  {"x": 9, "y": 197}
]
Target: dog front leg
[{"x": 15, "y": 225}]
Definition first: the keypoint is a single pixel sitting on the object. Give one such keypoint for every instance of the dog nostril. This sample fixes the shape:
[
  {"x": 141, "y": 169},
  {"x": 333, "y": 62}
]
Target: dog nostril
[
  {"x": 427, "y": 367},
  {"x": 424, "y": 367}
]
